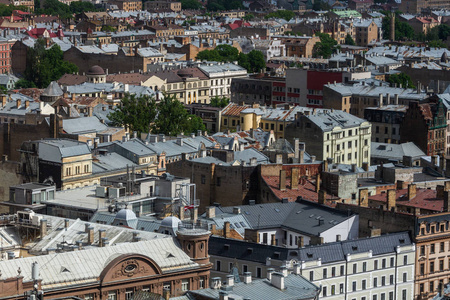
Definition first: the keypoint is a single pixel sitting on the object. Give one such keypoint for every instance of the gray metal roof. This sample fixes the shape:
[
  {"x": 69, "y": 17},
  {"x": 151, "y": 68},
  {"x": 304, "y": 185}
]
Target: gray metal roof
[
  {"x": 83, "y": 125},
  {"x": 395, "y": 151},
  {"x": 327, "y": 119}
]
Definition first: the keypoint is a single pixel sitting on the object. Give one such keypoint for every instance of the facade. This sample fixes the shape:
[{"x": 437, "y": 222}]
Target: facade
[
  {"x": 386, "y": 121},
  {"x": 301, "y": 46},
  {"x": 333, "y": 134},
  {"x": 425, "y": 124},
  {"x": 366, "y": 32},
  {"x": 5, "y": 55},
  {"x": 162, "y": 5},
  {"x": 128, "y": 5},
  {"x": 379, "y": 267},
  {"x": 417, "y": 6},
  {"x": 360, "y": 5},
  {"x": 220, "y": 76}
]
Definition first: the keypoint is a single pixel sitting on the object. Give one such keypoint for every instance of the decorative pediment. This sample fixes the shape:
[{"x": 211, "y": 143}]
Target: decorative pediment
[{"x": 129, "y": 266}]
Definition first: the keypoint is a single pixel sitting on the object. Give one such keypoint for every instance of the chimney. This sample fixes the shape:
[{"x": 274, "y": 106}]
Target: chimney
[
  {"x": 210, "y": 212},
  {"x": 365, "y": 166},
  {"x": 411, "y": 191},
  {"x": 86, "y": 227},
  {"x": 166, "y": 293},
  {"x": 270, "y": 271},
  {"x": 440, "y": 191},
  {"x": 297, "y": 149},
  {"x": 317, "y": 182},
  {"x": 338, "y": 237},
  {"x": 230, "y": 280},
  {"x": 273, "y": 240},
  {"x": 194, "y": 216},
  {"x": 282, "y": 186},
  {"x": 43, "y": 228},
  {"x": 294, "y": 178},
  {"x": 380, "y": 101},
  {"x": 101, "y": 236},
  {"x": 363, "y": 198},
  {"x": 136, "y": 237},
  {"x": 90, "y": 236},
  {"x": 391, "y": 200},
  {"x": 27, "y": 103},
  {"x": 66, "y": 223},
  {"x": 284, "y": 270},
  {"x": 400, "y": 185},
  {"x": 446, "y": 207},
  {"x": 18, "y": 103},
  {"x": 223, "y": 295},
  {"x": 226, "y": 230},
  {"x": 396, "y": 99},
  {"x": 296, "y": 269},
  {"x": 181, "y": 212},
  {"x": 247, "y": 277},
  {"x": 388, "y": 98},
  {"x": 278, "y": 280},
  {"x": 279, "y": 159},
  {"x": 236, "y": 210},
  {"x": 322, "y": 197},
  {"x": 301, "y": 242}
]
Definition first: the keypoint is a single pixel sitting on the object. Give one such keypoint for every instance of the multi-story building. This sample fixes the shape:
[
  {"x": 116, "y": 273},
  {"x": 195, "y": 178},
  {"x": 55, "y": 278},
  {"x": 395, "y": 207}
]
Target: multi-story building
[
  {"x": 299, "y": 46},
  {"x": 386, "y": 121},
  {"x": 162, "y": 5},
  {"x": 360, "y": 5},
  {"x": 366, "y": 32},
  {"x": 334, "y": 134},
  {"x": 425, "y": 124},
  {"x": 127, "y": 5},
  {"x": 5, "y": 55},
  {"x": 220, "y": 76},
  {"x": 253, "y": 90},
  {"x": 355, "y": 98},
  {"x": 379, "y": 267},
  {"x": 433, "y": 244},
  {"x": 417, "y": 6},
  {"x": 423, "y": 24}
]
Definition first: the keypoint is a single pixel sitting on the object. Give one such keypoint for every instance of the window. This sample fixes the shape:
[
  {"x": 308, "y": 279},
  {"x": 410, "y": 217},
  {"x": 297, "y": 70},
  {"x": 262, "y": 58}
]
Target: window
[
  {"x": 375, "y": 265},
  {"x": 203, "y": 178},
  {"x": 383, "y": 296},
  {"x": 391, "y": 279},
  {"x": 383, "y": 281},
  {"x": 405, "y": 277},
  {"x": 324, "y": 273},
  {"x": 355, "y": 267},
  {"x": 364, "y": 266},
  {"x": 333, "y": 271},
  {"x": 375, "y": 282},
  {"x": 311, "y": 276},
  {"x": 432, "y": 267},
  {"x": 112, "y": 295},
  {"x": 442, "y": 247},
  {"x": 422, "y": 269},
  {"x": 333, "y": 290},
  {"x": 383, "y": 263},
  {"x": 244, "y": 268},
  {"x": 441, "y": 265},
  {"x": 342, "y": 270},
  {"x": 258, "y": 272},
  {"x": 219, "y": 181},
  {"x": 374, "y": 297},
  {"x": 354, "y": 286},
  {"x": 432, "y": 248},
  {"x": 218, "y": 265},
  {"x": 392, "y": 262},
  {"x": 422, "y": 250},
  {"x": 324, "y": 291},
  {"x": 129, "y": 294},
  {"x": 404, "y": 292},
  {"x": 405, "y": 260},
  {"x": 341, "y": 288},
  {"x": 431, "y": 286},
  {"x": 185, "y": 285},
  {"x": 364, "y": 284}
]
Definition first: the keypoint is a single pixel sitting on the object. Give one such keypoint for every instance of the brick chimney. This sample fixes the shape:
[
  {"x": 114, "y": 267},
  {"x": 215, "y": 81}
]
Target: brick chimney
[
  {"x": 446, "y": 207},
  {"x": 411, "y": 191},
  {"x": 294, "y": 178},
  {"x": 226, "y": 230},
  {"x": 317, "y": 183},
  {"x": 440, "y": 191},
  {"x": 322, "y": 197},
  {"x": 391, "y": 200},
  {"x": 363, "y": 198},
  {"x": 282, "y": 186}
]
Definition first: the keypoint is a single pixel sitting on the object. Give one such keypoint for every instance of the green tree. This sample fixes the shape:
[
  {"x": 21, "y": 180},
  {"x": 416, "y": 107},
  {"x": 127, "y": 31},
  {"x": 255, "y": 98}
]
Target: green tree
[
  {"x": 349, "y": 40},
  {"x": 227, "y": 52},
  {"x": 108, "y": 28},
  {"x": 403, "y": 31},
  {"x": 25, "y": 84},
  {"x": 54, "y": 7},
  {"x": 321, "y": 5},
  {"x": 249, "y": 17},
  {"x": 281, "y": 14},
  {"x": 256, "y": 61},
  {"x": 221, "y": 102},
  {"x": 46, "y": 65},
  {"x": 173, "y": 119},
  {"x": 134, "y": 113},
  {"x": 216, "y": 5},
  {"x": 6, "y": 10},
  {"x": 326, "y": 47},
  {"x": 77, "y": 7},
  {"x": 190, "y": 4},
  {"x": 401, "y": 78}
]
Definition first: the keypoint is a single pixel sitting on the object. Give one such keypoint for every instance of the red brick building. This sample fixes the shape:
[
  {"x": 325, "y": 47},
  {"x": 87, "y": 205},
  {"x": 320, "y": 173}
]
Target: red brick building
[
  {"x": 5, "y": 56},
  {"x": 425, "y": 124}
]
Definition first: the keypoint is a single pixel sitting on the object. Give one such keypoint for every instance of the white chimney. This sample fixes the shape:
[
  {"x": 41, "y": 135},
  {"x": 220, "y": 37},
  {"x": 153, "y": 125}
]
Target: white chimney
[
  {"x": 278, "y": 280},
  {"x": 297, "y": 269},
  {"x": 248, "y": 277},
  {"x": 270, "y": 271},
  {"x": 230, "y": 280}
]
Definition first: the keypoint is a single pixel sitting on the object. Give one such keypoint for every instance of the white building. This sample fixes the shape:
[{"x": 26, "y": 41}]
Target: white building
[
  {"x": 377, "y": 268},
  {"x": 220, "y": 75}
]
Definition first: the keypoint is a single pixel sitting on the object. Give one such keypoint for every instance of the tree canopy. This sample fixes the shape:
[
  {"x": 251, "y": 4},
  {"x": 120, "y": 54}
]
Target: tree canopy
[
  {"x": 143, "y": 114},
  {"x": 403, "y": 31},
  {"x": 6, "y": 10},
  {"x": 218, "y": 101},
  {"x": 325, "y": 47},
  {"x": 253, "y": 61},
  {"x": 281, "y": 14},
  {"x": 401, "y": 78},
  {"x": 349, "y": 40},
  {"x": 46, "y": 65},
  {"x": 134, "y": 113},
  {"x": 218, "y": 5},
  {"x": 190, "y": 4}
]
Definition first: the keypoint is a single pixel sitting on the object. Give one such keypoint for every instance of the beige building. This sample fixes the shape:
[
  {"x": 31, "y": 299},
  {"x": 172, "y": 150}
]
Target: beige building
[
  {"x": 332, "y": 134},
  {"x": 162, "y": 5}
]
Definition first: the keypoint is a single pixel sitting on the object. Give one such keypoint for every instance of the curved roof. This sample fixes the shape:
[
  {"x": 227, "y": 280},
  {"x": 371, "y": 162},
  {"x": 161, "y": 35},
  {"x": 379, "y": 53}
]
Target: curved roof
[
  {"x": 126, "y": 214},
  {"x": 171, "y": 222},
  {"x": 53, "y": 90},
  {"x": 96, "y": 70}
]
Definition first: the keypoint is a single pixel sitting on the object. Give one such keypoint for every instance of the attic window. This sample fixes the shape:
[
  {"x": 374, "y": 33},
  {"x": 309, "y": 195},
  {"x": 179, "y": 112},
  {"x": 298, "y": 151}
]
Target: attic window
[
  {"x": 250, "y": 250},
  {"x": 354, "y": 248},
  {"x": 310, "y": 255},
  {"x": 276, "y": 254},
  {"x": 169, "y": 255},
  {"x": 226, "y": 246},
  {"x": 402, "y": 241},
  {"x": 294, "y": 253},
  {"x": 64, "y": 269},
  {"x": 277, "y": 209}
]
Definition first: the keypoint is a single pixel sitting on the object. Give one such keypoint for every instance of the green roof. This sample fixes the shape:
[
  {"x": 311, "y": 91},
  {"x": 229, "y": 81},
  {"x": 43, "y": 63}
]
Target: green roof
[{"x": 347, "y": 13}]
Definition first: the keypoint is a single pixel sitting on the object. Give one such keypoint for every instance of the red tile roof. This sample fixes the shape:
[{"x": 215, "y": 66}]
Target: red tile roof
[
  {"x": 424, "y": 199},
  {"x": 306, "y": 189}
]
